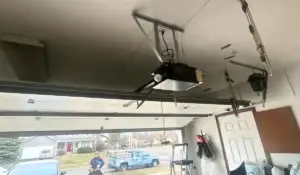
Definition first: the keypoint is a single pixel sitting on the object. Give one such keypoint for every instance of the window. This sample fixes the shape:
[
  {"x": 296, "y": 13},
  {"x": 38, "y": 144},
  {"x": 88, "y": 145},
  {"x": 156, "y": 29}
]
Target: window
[
  {"x": 145, "y": 154},
  {"x": 61, "y": 145},
  {"x": 137, "y": 154}
]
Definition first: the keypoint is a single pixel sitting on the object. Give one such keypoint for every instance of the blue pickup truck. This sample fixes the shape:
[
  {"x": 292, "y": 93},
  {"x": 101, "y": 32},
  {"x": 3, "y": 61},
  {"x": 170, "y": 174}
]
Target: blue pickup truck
[{"x": 132, "y": 159}]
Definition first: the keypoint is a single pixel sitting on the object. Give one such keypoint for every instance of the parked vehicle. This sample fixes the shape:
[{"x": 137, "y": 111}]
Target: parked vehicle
[
  {"x": 36, "y": 167},
  {"x": 132, "y": 159}
]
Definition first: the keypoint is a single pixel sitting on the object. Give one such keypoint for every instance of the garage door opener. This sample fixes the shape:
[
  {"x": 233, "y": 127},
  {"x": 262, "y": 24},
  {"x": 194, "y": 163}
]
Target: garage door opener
[{"x": 170, "y": 75}]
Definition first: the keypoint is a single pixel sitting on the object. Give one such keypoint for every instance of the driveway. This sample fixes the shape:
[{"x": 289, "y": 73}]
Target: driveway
[{"x": 84, "y": 170}]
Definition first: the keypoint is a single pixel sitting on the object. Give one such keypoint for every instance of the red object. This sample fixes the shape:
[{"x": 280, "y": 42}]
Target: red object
[
  {"x": 69, "y": 147},
  {"x": 201, "y": 139},
  {"x": 203, "y": 147}
]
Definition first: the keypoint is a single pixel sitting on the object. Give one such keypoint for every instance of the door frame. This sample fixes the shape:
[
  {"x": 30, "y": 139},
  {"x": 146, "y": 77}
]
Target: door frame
[{"x": 252, "y": 109}]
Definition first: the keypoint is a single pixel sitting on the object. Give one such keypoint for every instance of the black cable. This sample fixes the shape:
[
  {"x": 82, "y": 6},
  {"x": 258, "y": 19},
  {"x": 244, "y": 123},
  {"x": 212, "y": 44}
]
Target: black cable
[{"x": 167, "y": 52}]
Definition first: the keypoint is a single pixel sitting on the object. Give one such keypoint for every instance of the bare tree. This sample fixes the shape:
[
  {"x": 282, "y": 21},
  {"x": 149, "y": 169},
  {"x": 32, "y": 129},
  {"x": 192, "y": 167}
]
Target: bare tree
[
  {"x": 172, "y": 136},
  {"x": 113, "y": 139}
]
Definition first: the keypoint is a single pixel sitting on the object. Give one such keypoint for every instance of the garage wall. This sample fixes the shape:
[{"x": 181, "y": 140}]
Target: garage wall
[
  {"x": 209, "y": 126},
  {"x": 284, "y": 90}
]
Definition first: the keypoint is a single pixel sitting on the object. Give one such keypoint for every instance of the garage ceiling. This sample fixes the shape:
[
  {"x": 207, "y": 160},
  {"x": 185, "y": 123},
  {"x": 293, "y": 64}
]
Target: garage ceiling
[{"x": 95, "y": 43}]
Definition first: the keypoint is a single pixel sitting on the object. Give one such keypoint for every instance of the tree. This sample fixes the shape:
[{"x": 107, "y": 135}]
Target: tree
[
  {"x": 9, "y": 150},
  {"x": 100, "y": 146},
  {"x": 172, "y": 136},
  {"x": 123, "y": 139},
  {"x": 141, "y": 136},
  {"x": 113, "y": 139}
]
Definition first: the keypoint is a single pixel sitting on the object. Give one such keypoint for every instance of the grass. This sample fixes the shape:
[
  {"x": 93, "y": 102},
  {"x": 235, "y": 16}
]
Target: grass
[
  {"x": 77, "y": 160},
  {"x": 82, "y": 160}
]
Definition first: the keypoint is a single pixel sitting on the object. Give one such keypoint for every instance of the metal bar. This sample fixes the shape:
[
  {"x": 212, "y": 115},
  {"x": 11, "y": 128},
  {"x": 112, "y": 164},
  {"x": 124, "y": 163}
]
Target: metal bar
[
  {"x": 180, "y": 144},
  {"x": 129, "y": 103},
  {"x": 143, "y": 101},
  {"x": 247, "y": 66},
  {"x": 176, "y": 46},
  {"x": 234, "y": 103},
  {"x": 149, "y": 41},
  {"x": 162, "y": 23},
  {"x": 258, "y": 41},
  {"x": 147, "y": 85},
  {"x": 94, "y": 114},
  {"x": 66, "y": 132},
  {"x": 45, "y": 89},
  {"x": 156, "y": 37}
]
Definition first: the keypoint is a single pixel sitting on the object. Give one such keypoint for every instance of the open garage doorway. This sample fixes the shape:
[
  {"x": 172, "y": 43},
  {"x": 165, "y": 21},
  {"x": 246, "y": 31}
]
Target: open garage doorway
[
  {"x": 130, "y": 153},
  {"x": 73, "y": 129}
]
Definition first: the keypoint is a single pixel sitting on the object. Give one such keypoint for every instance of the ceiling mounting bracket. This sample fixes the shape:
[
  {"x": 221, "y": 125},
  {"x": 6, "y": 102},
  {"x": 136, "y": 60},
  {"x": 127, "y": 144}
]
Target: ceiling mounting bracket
[
  {"x": 156, "y": 24},
  {"x": 258, "y": 82}
]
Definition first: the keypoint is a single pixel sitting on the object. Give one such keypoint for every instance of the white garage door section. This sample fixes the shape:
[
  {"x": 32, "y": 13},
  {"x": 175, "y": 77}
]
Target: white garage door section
[
  {"x": 47, "y": 103},
  {"x": 30, "y": 123},
  {"x": 241, "y": 139}
]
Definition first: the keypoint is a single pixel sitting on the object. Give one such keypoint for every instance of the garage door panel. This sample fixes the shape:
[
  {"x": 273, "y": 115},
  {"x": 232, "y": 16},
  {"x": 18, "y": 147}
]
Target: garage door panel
[{"x": 25, "y": 123}]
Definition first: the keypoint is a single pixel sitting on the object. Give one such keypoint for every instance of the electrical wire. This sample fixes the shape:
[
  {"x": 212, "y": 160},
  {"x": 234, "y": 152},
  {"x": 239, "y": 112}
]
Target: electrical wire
[
  {"x": 181, "y": 45},
  {"x": 168, "y": 52},
  {"x": 196, "y": 13}
]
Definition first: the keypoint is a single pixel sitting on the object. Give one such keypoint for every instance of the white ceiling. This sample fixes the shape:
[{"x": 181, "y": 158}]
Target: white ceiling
[{"x": 92, "y": 43}]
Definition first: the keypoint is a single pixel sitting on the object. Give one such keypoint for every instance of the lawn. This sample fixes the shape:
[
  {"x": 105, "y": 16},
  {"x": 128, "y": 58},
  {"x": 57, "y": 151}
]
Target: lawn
[
  {"x": 77, "y": 160},
  {"x": 82, "y": 160}
]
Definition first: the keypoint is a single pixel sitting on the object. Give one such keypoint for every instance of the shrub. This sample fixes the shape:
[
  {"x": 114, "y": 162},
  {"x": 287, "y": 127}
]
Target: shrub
[
  {"x": 100, "y": 147},
  {"x": 61, "y": 152},
  {"x": 9, "y": 150},
  {"x": 85, "y": 150}
]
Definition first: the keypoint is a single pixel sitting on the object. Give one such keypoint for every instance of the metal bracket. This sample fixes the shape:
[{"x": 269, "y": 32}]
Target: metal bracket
[
  {"x": 233, "y": 100},
  {"x": 248, "y": 66},
  {"x": 254, "y": 32},
  {"x": 156, "y": 23},
  {"x": 151, "y": 83},
  {"x": 265, "y": 73}
]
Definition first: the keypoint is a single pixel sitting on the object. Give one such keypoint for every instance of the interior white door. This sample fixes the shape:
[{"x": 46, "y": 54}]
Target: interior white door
[{"x": 241, "y": 139}]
